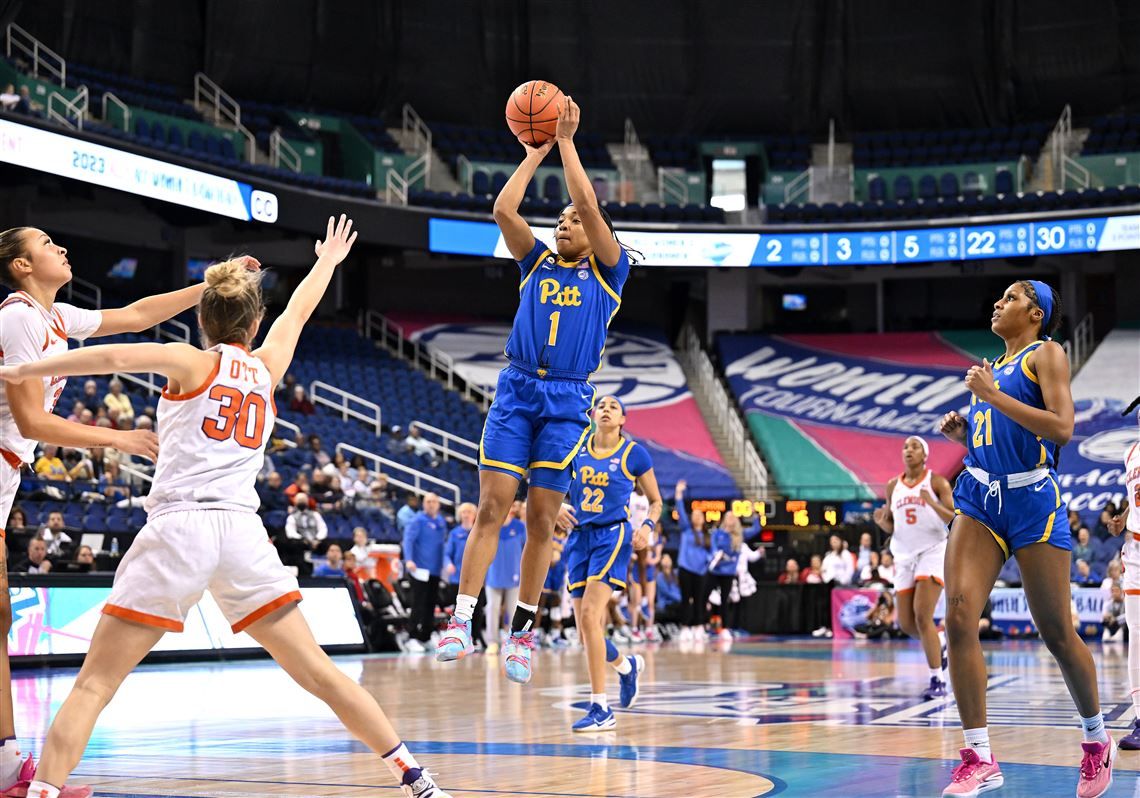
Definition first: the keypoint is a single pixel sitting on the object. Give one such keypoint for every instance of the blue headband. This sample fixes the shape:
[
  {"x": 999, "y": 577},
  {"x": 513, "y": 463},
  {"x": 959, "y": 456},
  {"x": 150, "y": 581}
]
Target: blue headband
[{"x": 1045, "y": 302}]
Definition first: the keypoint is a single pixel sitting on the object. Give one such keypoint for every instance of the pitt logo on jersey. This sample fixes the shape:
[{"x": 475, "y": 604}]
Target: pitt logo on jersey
[
  {"x": 589, "y": 476},
  {"x": 550, "y": 289}
]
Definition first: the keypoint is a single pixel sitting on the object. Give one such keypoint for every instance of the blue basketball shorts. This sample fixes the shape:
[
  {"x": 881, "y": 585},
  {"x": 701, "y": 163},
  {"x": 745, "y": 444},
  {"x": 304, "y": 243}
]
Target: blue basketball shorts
[
  {"x": 598, "y": 554},
  {"x": 1023, "y": 516},
  {"x": 536, "y": 424}
]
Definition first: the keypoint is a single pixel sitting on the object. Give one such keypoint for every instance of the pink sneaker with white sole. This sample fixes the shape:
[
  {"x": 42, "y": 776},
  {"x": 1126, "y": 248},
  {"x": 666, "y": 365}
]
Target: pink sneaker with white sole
[
  {"x": 28, "y": 773},
  {"x": 973, "y": 777},
  {"x": 1096, "y": 769}
]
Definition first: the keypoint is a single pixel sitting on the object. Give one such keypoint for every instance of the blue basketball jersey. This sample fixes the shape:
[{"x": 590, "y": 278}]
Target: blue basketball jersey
[
  {"x": 603, "y": 481},
  {"x": 997, "y": 444},
  {"x": 565, "y": 309}
]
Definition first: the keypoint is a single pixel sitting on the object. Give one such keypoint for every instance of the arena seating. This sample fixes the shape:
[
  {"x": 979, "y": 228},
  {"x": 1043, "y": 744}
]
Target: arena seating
[
  {"x": 948, "y": 146},
  {"x": 499, "y": 146}
]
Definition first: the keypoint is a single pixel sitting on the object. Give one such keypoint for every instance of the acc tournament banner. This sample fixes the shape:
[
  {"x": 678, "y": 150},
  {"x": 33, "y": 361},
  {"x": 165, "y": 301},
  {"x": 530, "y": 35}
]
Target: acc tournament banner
[
  {"x": 638, "y": 367},
  {"x": 856, "y": 397},
  {"x": 1091, "y": 471}
]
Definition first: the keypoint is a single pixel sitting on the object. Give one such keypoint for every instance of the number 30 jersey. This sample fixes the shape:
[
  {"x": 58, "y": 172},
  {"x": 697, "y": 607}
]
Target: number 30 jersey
[
  {"x": 212, "y": 438},
  {"x": 997, "y": 444},
  {"x": 603, "y": 481}
]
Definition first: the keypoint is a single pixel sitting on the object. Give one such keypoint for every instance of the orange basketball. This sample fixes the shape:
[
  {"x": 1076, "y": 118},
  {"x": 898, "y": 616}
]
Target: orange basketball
[{"x": 532, "y": 111}]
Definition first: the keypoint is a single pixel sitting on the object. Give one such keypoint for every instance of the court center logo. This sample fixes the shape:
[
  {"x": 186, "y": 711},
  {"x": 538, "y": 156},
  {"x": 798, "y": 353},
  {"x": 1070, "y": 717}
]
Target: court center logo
[
  {"x": 885, "y": 701},
  {"x": 640, "y": 371}
]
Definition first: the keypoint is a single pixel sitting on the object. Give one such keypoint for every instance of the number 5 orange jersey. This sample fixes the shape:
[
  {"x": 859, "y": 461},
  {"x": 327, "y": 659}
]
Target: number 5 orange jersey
[{"x": 212, "y": 439}]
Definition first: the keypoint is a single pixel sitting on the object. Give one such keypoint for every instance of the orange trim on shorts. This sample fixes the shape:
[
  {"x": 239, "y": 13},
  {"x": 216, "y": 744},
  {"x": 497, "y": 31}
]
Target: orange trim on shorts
[
  {"x": 905, "y": 590},
  {"x": 265, "y": 609},
  {"x": 141, "y": 617},
  {"x": 931, "y": 579},
  {"x": 1132, "y": 592},
  {"x": 13, "y": 459},
  {"x": 182, "y": 397}
]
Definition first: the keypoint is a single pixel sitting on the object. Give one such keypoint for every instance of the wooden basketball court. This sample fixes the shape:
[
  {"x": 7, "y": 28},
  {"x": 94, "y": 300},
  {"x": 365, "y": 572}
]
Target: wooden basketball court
[{"x": 769, "y": 717}]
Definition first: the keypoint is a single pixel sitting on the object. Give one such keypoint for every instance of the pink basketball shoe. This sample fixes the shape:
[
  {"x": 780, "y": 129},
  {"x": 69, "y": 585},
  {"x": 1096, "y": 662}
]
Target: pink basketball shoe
[
  {"x": 1096, "y": 768},
  {"x": 973, "y": 777}
]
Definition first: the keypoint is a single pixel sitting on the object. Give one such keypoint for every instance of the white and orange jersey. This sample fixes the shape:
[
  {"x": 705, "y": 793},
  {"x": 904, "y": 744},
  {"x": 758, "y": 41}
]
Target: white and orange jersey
[
  {"x": 211, "y": 439},
  {"x": 638, "y": 509},
  {"x": 917, "y": 526},
  {"x": 1130, "y": 554},
  {"x": 30, "y": 332}
]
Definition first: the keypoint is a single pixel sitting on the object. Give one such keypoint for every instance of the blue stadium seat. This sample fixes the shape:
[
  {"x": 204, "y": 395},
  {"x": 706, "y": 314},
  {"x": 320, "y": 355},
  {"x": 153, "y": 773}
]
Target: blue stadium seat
[
  {"x": 480, "y": 182},
  {"x": 552, "y": 188},
  {"x": 1003, "y": 182},
  {"x": 904, "y": 187},
  {"x": 927, "y": 187},
  {"x": 876, "y": 189},
  {"x": 948, "y": 185}
]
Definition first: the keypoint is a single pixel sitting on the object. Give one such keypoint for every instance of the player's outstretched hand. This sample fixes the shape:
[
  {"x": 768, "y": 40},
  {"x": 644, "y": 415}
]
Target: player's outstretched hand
[
  {"x": 568, "y": 117},
  {"x": 566, "y": 519},
  {"x": 539, "y": 150},
  {"x": 1117, "y": 522},
  {"x": 338, "y": 241},
  {"x": 141, "y": 442},
  {"x": 953, "y": 426}
]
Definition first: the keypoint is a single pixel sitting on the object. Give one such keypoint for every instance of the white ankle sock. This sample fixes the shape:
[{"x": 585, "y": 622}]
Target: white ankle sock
[
  {"x": 9, "y": 762},
  {"x": 600, "y": 700},
  {"x": 39, "y": 789},
  {"x": 465, "y": 607},
  {"x": 979, "y": 740},
  {"x": 936, "y": 673},
  {"x": 1094, "y": 728},
  {"x": 399, "y": 760},
  {"x": 622, "y": 665}
]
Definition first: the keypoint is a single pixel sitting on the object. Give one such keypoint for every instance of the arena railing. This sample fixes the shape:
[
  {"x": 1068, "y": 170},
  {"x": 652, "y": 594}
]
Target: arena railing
[
  {"x": 438, "y": 365},
  {"x": 737, "y": 438},
  {"x": 281, "y": 150},
  {"x": 419, "y": 133},
  {"x": 288, "y": 425},
  {"x": 226, "y": 110},
  {"x": 450, "y": 445},
  {"x": 79, "y": 289},
  {"x": 1080, "y": 346},
  {"x": 43, "y": 57},
  {"x": 122, "y": 106},
  {"x": 343, "y": 402},
  {"x": 63, "y": 111},
  {"x": 418, "y": 478}
]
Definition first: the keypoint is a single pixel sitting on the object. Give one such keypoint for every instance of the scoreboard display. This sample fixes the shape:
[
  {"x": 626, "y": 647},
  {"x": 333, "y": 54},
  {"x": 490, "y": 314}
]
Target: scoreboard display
[
  {"x": 785, "y": 513},
  {"x": 875, "y": 246}
]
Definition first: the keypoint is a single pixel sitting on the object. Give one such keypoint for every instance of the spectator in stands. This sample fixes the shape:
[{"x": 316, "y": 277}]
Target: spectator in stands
[
  {"x": 300, "y": 402},
  {"x": 361, "y": 481},
  {"x": 112, "y": 485},
  {"x": 425, "y": 535},
  {"x": 338, "y": 470},
  {"x": 417, "y": 445},
  {"x": 300, "y": 484},
  {"x": 869, "y": 575},
  {"x": 85, "y": 555},
  {"x": 271, "y": 495},
  {"x": 333, "y": 564},
  {"x": 1084, "y": 575},
  {"x": 326, "y": 491},
  {"x": 91, "y": 394},
  {"x": 305, "y": 524},
  {"x": 76, "y": 411},
  {"x": 371, "y": 503},
  {"x": 36, "y": 562},
  {"x": 791, "y": 574},
  {"x": 408, "y": 511},
  {"x": 503, "y": 576},
  {"x": 1010, "y": 573},
  {"x": 1102, "y": 520},
  {"x": 887, "y": 566},
  {"x": 1112, "y": 576},
  {"x": 17, "y": 520},
  {"x": 668, "y": 591},
  {"x": 53, "y": 534},
  {"x": 320, "y": 456},
  {"x": 360, "y": 545},
  {"x": 86, "y": 417},
  {"x": 115, "y": 399},
  {"x": 98, "y": 457},
  {"x": 1074, "y": 519},
  {"x": 9, "y": 99},
  {"x": 813, "y": 574},
  {"x": 453, "y": 565},
  {"x": 1115, "y": 625},
  {"x": 1082, "y": 546},
  {"x": 79, "y": 465},
  {"x": 27, "y": 105},
  {"x": 865, "y": 552},
  {"x": 50, "y": 466},
  {"x": 838, "y": 563},
  {"x": 352, "y": 574},
  {"x": 287, "y": 386}
]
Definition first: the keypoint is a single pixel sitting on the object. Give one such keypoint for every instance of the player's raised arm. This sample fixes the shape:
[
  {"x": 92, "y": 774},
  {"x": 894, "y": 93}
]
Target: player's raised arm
[
  {"x": 582, "y": 195},
  {"x": 516, "y": 232},
  {"x": 169, "y": 360},
  {"x": 277, "y": 350}
]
